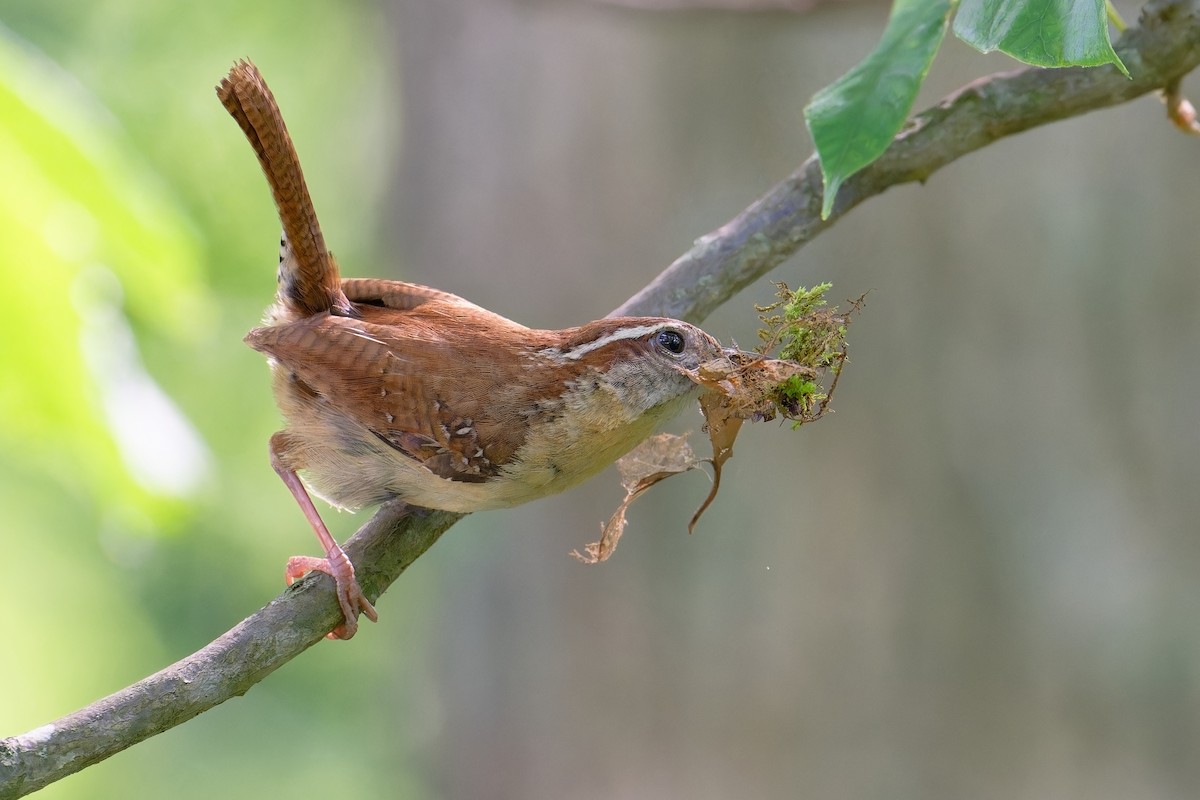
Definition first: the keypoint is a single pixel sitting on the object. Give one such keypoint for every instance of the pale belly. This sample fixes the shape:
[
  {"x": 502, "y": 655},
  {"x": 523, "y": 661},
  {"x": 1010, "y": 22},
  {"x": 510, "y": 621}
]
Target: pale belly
[{"x": 367, "y": 471}]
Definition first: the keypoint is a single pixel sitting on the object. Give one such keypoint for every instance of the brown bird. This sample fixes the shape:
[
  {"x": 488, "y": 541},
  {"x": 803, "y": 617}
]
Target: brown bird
[{"x": 394, "y": 390}]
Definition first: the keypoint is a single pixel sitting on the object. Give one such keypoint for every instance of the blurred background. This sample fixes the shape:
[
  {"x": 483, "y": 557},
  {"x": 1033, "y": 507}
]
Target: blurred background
[{"x": 977, "y": 579}]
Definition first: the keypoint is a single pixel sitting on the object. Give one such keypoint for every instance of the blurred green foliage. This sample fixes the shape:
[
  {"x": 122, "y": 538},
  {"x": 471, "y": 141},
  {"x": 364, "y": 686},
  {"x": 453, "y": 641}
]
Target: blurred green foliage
[
  {"x": 138, "y": 244},
  {"x": 88, "y": 235}
]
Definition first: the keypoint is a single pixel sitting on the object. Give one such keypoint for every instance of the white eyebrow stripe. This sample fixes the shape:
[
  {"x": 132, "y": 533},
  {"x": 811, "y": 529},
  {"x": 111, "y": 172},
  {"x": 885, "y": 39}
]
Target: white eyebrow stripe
[{"x": 616, "y": 336}]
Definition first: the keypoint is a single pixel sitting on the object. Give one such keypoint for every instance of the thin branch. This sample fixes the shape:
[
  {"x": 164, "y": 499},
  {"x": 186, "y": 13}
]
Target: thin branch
[{"x": 1165, "y": 46}]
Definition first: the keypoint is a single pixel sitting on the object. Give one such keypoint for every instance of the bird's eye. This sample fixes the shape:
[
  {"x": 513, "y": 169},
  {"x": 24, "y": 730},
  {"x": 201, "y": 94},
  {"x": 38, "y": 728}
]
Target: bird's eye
[{"x": 670, "y": 340}]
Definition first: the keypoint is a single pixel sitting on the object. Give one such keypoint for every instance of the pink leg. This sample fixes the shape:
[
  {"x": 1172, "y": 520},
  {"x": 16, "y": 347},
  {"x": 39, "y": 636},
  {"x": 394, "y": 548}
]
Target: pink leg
[{"x": 335, "y": 563}]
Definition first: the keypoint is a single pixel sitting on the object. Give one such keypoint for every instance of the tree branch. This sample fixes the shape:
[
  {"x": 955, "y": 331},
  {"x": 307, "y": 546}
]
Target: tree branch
[
  {"x": 1164, "y": 46},
  {"x": 227, "y": 667}
]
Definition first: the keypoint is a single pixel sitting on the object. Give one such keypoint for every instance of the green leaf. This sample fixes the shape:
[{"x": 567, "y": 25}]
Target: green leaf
[
  {"x": 853, "y": 120},
  {"x": 1045, "y": 33}
]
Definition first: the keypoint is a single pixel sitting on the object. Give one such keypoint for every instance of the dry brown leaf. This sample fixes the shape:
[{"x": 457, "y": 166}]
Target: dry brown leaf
[
  {"x": 662, "y": 456},
  {"x": 723, "y": 426},
  {"x": 741, "y": 386},
  {"x": 751, "y": 385},
  {"x": 654, "y": 460}
]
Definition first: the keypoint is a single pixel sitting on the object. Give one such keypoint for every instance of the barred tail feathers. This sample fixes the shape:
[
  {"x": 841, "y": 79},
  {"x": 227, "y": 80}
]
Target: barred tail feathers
[{"x": 309, "y": 282}]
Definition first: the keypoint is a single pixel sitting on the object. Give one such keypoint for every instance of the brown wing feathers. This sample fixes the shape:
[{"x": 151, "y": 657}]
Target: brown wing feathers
[{"x": 395, "y": 380}]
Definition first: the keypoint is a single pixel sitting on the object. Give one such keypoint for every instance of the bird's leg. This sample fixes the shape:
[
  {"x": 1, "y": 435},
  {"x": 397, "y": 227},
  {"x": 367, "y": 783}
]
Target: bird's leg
[{"x": 336, "y": 563}]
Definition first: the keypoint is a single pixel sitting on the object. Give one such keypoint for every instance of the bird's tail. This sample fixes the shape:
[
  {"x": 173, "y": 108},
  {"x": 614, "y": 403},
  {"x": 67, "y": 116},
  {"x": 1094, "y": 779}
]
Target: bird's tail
[{"x": 309, "y": 282}]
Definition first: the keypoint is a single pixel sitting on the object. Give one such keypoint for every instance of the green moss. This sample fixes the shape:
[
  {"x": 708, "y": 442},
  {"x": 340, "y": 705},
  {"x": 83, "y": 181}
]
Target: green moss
[
  {"x": 807, "y": 332},
  {"x": 811, "y": 336}
]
